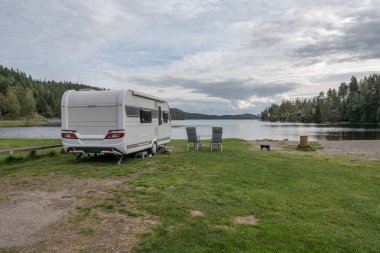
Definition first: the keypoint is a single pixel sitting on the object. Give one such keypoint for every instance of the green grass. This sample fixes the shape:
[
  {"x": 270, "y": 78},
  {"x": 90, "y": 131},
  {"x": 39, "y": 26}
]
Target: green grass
[
  {"x": 14, "y": 123},
  {"x": 304, "y": 203},
  {"x": 6, "y": 143},
  {"x": 313, "y": 146}
]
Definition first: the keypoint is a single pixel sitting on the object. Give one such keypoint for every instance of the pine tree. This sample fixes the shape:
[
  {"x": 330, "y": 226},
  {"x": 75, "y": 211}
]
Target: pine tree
[{"x": 43, "y": 108}]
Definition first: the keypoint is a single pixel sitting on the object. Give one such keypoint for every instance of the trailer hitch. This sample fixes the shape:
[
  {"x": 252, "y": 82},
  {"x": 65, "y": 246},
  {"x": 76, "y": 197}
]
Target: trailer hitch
[
  {"x": 78, "y": 154},
  {"x": 116, "y": 153}
]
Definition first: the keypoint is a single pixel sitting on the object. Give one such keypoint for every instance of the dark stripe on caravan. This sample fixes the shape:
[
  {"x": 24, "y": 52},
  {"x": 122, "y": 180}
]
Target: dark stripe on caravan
[
  {"x": 138, "y": 145},
  {"x": 164, "y": 139}
]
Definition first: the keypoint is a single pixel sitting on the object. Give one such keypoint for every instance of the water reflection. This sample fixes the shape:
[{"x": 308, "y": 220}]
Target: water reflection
[{"x": 244, "y": 129}]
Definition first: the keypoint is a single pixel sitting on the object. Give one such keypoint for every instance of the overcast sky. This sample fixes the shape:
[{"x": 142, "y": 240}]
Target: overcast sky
[{"x": 202, "y": 55}]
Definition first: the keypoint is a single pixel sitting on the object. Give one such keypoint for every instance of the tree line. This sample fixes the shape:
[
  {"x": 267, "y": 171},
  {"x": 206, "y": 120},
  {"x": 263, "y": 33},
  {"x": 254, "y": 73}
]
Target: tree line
[
  {"x": 355, "y": 102},
  {"x": 21, "y": 96},
  {"x": 177, "y": 114}
]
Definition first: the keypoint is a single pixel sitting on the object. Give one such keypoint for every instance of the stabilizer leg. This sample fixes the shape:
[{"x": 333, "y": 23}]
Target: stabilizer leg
[
  {"x": 120, "y": 159},
  {"x": 78, "y": 156}
]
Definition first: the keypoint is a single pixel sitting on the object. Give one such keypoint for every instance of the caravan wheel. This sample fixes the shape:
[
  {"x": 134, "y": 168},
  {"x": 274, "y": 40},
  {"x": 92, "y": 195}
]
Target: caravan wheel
[{"x": 153, "y": 149}]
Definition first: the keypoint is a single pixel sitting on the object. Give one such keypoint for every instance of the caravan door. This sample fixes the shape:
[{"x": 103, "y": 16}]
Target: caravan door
[{"x": 160, "y": 125}]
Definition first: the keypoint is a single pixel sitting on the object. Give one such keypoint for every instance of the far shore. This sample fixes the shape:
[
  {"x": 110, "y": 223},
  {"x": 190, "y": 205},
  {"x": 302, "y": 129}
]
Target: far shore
[{"x": 30, "y": 122}]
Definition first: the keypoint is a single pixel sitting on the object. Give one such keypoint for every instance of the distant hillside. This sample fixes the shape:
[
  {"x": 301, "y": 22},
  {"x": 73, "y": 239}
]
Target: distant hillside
[
  {"x": 21, "y": 96},
  {"x": 177, "y": 114}
]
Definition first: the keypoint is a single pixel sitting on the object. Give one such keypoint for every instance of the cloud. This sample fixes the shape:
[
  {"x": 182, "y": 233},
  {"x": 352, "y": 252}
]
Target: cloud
[
  {"x": 225, "y": 56},
  {"x": 357, "y": 39}
]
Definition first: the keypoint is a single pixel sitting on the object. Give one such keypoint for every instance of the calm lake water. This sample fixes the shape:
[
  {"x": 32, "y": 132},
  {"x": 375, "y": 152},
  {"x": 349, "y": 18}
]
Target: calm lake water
[{"x": 244, "y": 129}]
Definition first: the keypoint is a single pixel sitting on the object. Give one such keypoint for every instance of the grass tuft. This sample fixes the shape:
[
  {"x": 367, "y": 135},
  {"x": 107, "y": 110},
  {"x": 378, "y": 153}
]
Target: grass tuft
[
  {"x": 305, "y": 148},
  {"x": 107, "y": 206},
  {"x": 87, "y": 231}
]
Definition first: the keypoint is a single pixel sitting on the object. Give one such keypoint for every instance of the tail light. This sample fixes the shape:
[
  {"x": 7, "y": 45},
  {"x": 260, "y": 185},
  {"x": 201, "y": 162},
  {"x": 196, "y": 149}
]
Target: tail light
[
  {"x": 69, "y": 136},
  {"x": 114, "y": 135}
]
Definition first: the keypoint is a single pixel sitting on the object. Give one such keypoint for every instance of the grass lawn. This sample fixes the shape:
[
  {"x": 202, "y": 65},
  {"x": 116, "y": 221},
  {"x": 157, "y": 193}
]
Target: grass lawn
[
  {"x": 12, "y": 123},
  {"x": 303, "y": 203},
  {"x": 6, "y": 143}
]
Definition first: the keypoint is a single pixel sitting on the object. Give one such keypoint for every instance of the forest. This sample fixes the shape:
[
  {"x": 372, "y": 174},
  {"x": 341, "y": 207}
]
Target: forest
[
  {"x": 355, "y": 102},
  {"x": 21, "y": 96}
]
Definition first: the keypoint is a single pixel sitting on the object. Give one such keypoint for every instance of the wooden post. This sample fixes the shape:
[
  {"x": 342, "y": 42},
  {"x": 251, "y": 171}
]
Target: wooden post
[{"x": 304, "y": 142}]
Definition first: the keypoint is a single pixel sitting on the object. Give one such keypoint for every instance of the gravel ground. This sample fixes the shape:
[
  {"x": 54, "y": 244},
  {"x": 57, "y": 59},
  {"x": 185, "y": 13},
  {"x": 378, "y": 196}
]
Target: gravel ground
[
  {"x": 25, "y": 214},
  {"x": 368, "y": 149}
]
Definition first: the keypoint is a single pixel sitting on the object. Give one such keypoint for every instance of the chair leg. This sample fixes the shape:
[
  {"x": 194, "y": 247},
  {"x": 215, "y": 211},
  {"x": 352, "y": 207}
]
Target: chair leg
[{"x": 221, "y": 147}]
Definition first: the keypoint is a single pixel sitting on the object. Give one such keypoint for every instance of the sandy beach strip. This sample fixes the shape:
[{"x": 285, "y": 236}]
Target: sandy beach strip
[{"x": 366, "y": 149}]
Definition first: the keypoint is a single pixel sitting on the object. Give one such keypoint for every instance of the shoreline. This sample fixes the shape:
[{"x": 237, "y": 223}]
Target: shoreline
[
  {"x": 30, "y": 123},
  {"x": 366, "y": 149}
]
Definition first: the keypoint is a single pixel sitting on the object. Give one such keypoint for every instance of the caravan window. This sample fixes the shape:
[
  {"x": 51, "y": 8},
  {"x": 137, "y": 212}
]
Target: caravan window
[
  {"x": 145, "y": 116},
  {"x": 132, "y": 111},
  {"x": 166, "y": 117}
]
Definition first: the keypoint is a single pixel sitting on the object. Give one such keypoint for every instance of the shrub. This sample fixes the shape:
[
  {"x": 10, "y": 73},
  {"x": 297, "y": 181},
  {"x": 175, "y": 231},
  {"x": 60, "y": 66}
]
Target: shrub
[
  {"x": 12, "y": 159},
  {"x": 305, "y": 148},
  {"x": 32, "y": 154},
  {"x": 52, "y": 153}
]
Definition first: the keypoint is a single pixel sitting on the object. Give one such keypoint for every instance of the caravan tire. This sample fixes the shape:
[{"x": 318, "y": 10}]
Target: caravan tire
[{"x": 153, "y": 149}]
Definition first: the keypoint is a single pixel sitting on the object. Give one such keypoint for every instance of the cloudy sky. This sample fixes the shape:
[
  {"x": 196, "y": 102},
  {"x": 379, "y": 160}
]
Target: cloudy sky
[{"x": 209, "y": 56}]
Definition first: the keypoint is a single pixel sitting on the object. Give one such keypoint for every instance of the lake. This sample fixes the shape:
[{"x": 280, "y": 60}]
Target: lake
[{"x": 244, "y": 129}]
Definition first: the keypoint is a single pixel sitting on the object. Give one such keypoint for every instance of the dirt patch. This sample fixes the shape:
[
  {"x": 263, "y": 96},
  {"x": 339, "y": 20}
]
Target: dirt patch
[
  {"x": 57, "y": 213},
  {"x": 196, "y": 214},
  {"x": 23, "y": 215},
  {"x": 275, "y": 145},
  {"x": 104, "y": 232},
  {"x": 248, "y": 220},
  {"x": 222, "y": 227},
  {"x": 55, "y": 182}
]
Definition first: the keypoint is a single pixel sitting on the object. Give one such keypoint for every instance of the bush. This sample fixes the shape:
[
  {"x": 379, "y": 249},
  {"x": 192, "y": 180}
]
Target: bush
[
  {"x": 33, "y": 154},
  {"x": 12, "y": 159},
  {"x": 305, "y": 148},
  {"x": 52, "y": 153}
]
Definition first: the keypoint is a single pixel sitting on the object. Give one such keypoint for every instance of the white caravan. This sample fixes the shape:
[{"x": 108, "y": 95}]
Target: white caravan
[{"x": 113, "y": 122}]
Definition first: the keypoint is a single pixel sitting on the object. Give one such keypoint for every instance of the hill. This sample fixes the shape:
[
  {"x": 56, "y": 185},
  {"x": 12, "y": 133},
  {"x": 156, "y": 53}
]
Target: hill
[
  {"x": 21, "y": 96},
  {"x": 178, "y": 114}
]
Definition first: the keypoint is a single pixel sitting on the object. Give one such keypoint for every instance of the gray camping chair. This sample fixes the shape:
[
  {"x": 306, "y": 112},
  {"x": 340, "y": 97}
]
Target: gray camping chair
[
  {"x": 192, "y": 137},
  {"x": 216, "y": 139}
]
